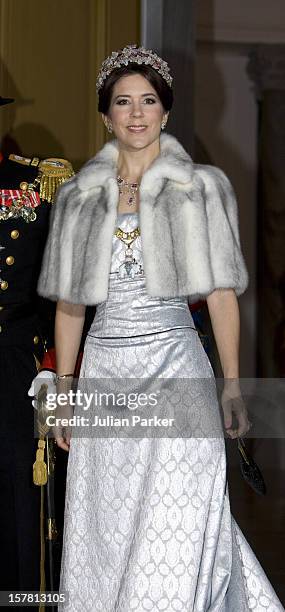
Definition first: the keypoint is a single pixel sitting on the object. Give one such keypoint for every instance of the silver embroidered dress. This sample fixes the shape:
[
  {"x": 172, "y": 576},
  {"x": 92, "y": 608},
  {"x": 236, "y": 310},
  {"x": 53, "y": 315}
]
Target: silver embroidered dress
[{"x": 148, "y": 526}]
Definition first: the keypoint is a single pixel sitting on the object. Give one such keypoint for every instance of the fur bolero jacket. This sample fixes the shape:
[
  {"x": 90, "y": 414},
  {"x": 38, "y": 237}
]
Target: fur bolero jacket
[{"x": 188, "y": 221}]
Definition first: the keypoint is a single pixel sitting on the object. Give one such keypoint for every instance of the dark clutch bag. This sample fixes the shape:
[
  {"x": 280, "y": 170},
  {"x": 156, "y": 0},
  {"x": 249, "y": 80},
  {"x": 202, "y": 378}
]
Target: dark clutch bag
[{"x": 250, "y": 470}]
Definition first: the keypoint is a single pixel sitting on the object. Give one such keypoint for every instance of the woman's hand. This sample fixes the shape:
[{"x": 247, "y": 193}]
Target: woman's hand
[
  {"x": 234, "y": 406},
  {"x": 62, "y": 433}
]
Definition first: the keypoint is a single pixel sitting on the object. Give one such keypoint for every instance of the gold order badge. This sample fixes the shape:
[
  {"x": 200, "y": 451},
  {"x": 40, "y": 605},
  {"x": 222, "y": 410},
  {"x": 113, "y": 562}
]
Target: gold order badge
[{"x": 130, "y": 267}]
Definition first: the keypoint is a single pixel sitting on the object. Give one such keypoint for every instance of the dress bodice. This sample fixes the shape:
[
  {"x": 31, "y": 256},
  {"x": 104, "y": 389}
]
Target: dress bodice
[{"x": 129, "y": 310}]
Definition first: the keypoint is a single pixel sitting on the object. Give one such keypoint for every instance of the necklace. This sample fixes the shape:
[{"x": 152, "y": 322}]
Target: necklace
[
  {"x": 127, "y": 237},
  {"x": 127, "y": 188},
  {"x": 130, "y": 266}
]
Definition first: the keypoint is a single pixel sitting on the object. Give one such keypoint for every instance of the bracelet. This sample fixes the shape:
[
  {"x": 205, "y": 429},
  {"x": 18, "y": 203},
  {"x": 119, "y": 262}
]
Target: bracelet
[{"x": 62, "y": 376}]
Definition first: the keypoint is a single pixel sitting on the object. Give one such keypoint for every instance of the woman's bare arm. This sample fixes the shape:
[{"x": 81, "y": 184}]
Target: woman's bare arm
[
  {"x": 224, "y": 313},
  {"x": 69, "y": 323},
  {"x": 225, "y": 319}
]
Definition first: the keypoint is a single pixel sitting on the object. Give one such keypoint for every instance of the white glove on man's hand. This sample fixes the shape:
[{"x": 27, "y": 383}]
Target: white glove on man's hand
[{"x": 45, "y": 377}]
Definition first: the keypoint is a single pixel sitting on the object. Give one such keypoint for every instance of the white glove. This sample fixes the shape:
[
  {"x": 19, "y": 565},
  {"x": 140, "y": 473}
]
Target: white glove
[{"x": 45, "y": 377}]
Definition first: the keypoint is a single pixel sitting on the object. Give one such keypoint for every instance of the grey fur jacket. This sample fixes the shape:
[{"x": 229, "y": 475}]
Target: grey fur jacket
[{"x": 188, "y": 222}]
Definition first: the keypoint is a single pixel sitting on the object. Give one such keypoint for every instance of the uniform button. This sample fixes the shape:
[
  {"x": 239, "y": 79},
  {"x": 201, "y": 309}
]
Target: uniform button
[
  {"x": 4, "y": 285},
  {"x": 36, "y": 339},
  {"x": 24, "y": 186},
  {"x": 15, "y": 234},
  {"x": 10, "y": 260}
]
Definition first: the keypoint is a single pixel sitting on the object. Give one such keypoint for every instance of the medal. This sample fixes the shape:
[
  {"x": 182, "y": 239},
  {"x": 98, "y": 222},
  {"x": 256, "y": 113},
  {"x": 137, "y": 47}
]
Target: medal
[
  {"x": 15, "y": 203},
  {"x": 130, "y": 267}
]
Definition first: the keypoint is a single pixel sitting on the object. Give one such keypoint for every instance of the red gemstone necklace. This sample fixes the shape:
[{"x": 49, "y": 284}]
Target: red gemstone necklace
[{"x": 127, "y": 188}]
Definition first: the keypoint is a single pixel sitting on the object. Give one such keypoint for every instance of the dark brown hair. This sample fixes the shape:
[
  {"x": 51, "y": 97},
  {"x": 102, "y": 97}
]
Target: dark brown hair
[{"x": 163, "y": 90}]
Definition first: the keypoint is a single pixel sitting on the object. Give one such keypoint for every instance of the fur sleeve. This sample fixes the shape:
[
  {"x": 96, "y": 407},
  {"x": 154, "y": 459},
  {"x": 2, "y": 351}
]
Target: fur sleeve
[{"x": 226, "y": 258}]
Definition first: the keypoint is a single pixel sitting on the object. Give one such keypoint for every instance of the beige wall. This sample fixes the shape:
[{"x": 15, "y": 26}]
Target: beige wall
[
  {"x": 226, "y": 126},
  {"x": 226, "y": 119},
  {"x": 242, "y": 21},
  {"x": 49, "y": 57}
]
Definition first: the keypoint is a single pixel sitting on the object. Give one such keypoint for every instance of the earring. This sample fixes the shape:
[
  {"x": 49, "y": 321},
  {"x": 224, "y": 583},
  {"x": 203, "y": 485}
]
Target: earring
[
  {"x": 163, "y": 125},
  {"x": 109, "y": 127}
]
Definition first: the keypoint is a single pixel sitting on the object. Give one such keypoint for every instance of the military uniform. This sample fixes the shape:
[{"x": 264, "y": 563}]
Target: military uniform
[{"x": 27, "y": 189}]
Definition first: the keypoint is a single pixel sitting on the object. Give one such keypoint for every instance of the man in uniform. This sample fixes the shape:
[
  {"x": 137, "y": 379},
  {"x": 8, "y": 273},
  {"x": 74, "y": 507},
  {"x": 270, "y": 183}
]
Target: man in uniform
[{"x": 27, "y": 191}]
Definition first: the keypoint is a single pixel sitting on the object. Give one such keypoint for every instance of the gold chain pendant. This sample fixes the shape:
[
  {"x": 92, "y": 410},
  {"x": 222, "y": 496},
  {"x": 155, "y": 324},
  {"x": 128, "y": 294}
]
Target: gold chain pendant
[{"x": 130, "y": 267}]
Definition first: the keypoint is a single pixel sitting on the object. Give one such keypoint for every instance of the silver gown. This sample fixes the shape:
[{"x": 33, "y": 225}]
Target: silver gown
[{"x": 148, "y": 526}]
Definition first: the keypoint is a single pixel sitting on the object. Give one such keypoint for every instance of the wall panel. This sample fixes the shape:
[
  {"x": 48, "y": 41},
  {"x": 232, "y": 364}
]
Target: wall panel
[{"x": 49, "y": 57}]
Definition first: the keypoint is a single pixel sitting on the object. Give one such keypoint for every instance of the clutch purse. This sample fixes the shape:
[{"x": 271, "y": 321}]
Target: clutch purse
[{"x": 250, "y": 470}]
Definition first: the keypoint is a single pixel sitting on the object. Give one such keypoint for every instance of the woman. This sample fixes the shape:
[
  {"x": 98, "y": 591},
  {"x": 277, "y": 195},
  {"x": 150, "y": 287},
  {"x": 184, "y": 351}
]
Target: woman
[{"x": 139, "y": 232}]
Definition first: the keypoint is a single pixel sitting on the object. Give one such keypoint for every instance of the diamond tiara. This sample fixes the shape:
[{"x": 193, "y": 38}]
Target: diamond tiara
[{"x": 133, "y": 54}]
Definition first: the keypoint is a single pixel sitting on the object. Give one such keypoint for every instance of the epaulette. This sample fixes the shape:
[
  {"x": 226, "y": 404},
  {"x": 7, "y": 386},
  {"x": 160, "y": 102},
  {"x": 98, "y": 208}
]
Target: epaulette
[{"x": 53, "y": 171}]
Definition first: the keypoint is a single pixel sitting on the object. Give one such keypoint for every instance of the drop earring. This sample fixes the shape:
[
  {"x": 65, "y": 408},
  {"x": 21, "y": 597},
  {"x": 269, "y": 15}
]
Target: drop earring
[
  {"x": 109, "y": 127},
  {"x": 163, "y": 125}
]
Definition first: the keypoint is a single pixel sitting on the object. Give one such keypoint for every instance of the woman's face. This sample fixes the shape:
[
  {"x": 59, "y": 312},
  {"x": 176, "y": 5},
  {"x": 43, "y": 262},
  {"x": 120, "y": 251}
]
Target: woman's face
[{"x": 135, "y": 112}]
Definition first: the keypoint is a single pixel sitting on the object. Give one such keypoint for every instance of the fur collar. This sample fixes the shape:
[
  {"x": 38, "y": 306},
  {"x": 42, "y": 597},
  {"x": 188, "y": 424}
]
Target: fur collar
[{"x": 173, "y": 163}]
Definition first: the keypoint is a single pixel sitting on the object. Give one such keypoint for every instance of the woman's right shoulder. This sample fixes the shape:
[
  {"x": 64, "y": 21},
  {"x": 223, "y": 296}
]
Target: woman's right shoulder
[
  {"x": 73, "y": 186},
  {"x": 87, "y": 179},
  {"x": 66, "y": 188}
]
